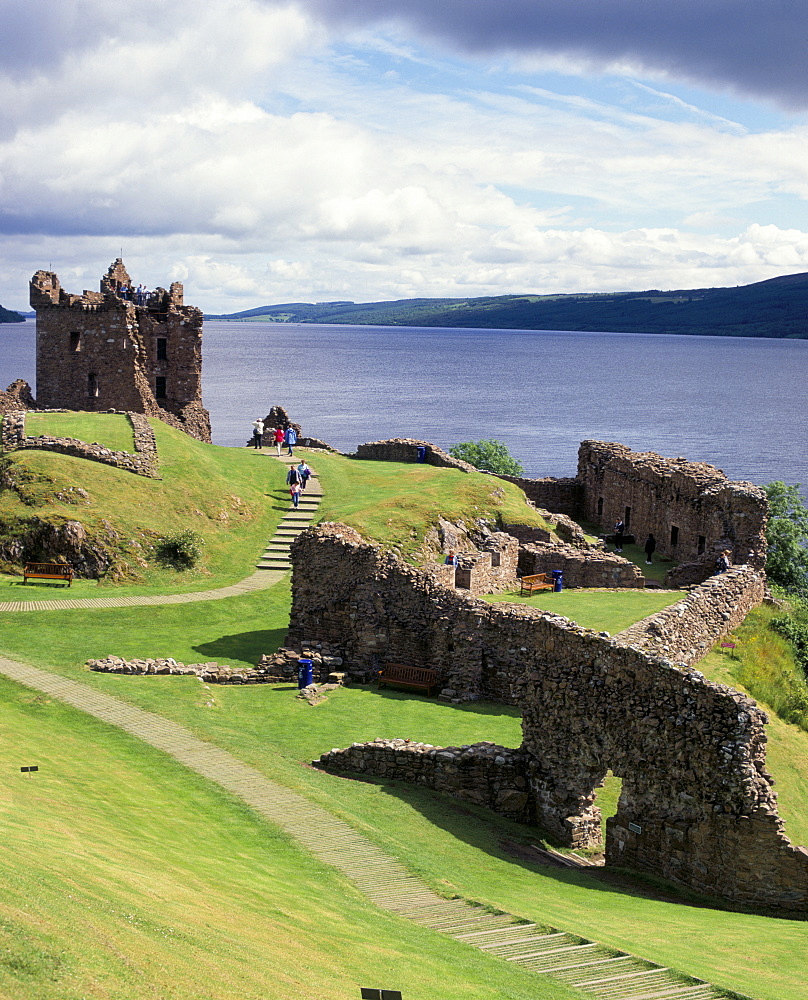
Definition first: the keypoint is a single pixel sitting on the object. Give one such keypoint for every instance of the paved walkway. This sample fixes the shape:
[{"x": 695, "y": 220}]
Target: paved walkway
[
  {"x": 599, "y": 972},
  {"x": 269, "y": 570}
]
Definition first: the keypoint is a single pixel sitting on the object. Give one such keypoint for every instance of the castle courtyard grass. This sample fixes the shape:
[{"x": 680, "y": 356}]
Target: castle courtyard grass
[{"x": 112, "y": 430}]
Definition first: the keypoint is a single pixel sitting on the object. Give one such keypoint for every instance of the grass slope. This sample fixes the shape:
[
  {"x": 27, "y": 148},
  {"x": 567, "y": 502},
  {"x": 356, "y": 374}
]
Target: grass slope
[
  {"x": 125, "y": 876},
  {"x": 232, "y": 497}
]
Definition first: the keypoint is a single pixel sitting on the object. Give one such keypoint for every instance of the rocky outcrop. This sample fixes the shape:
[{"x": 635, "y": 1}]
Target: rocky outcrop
[{"x": 91, "y": 553}]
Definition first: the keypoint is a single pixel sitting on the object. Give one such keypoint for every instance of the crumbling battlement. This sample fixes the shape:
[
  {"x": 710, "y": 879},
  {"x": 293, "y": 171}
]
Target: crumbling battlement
[
  {"x": 697, "y": 804},
  {"x": 120, "y": 348}
]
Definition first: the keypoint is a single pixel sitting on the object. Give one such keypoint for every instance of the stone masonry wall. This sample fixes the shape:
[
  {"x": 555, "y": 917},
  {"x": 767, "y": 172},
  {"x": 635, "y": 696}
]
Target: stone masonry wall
[
  {"x": 17, "y": 397},
  {"x": 685, "y": 631},
  {"x": 697, "y": 804},
  {"x": 114, "y": 350},
  {"x": 143, "y": 462},
  {"x": 581, "y": 567},
  {"x": 561, "y": 496},
  {"x": 483, "y": 774},
  {"x": 691, "y": 508},
  {"x": 406, "y": 450}
]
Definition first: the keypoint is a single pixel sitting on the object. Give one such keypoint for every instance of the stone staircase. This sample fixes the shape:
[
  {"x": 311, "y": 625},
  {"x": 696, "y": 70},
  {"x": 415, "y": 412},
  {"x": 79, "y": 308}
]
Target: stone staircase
[{"x": 276, "y": 554}]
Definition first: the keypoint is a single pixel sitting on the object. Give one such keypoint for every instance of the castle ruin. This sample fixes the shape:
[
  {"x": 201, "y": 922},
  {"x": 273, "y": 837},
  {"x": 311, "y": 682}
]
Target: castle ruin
[{"x": 120, "y": 349}]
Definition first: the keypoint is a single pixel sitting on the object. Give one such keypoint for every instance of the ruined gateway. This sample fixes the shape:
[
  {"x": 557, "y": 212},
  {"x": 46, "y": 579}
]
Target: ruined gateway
[{"x": 697, "y": 803}]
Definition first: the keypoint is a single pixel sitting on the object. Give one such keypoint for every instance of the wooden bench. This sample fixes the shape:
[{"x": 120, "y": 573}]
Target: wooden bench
[
  {"x": 420, "y": 678},
  {"x": 538, "y": 581},
  {"x": 48, "y": 571}
]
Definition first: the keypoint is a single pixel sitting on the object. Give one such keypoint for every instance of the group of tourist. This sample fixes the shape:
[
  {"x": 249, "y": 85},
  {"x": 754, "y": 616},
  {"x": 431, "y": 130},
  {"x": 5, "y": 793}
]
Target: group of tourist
[
  {"x": 280, "y": 437},
  {"x": 140, "y": 295},
  {"x": 297, "y": 476}
]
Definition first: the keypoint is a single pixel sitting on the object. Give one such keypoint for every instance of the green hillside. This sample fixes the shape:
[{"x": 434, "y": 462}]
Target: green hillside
[{"x": 775, "y": 308}]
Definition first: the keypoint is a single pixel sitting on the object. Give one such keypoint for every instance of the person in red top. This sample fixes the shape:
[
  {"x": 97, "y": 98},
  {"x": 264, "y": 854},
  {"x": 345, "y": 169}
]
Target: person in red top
[{"x": 278, "y": 439}]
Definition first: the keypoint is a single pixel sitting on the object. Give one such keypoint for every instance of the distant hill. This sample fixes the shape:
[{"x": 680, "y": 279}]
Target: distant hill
[
  {"x": 775, "y": 308},
  {"x": 9, "y": 316}
]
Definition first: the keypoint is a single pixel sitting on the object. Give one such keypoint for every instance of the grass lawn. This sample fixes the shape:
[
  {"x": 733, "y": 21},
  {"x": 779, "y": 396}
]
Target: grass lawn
[
  {"x": 112, "y": 430},
  {"x": 125, "y": 876},
  {"x": 269, "y": 728},
  {"x": 602, "y": 610}
]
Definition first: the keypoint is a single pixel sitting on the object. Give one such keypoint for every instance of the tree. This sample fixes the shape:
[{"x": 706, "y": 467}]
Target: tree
[
  {"x": 490, "y": 456},
  {"x": 787, "y": 537}
]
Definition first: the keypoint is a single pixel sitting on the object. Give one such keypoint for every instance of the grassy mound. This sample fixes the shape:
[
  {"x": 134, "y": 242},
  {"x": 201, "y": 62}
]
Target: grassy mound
[
  {"x": 397, "y": 505},
  {"x": 232, "y": 498}
]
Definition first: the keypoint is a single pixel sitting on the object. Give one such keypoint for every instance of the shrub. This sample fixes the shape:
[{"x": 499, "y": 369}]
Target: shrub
[
  {"x": 181, "y": 550},
  {"x": 787, "y": 538},
  {"x": 488, "y": 456}
]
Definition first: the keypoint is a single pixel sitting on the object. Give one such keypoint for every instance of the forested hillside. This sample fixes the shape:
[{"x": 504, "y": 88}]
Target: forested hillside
[
  {"x": 9, "y": 316},
  {"x": 774, "y": 308}
]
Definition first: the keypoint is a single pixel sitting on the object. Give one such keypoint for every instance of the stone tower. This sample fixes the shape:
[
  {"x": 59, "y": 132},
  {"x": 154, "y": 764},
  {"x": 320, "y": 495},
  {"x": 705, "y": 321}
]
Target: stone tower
[{"x": 120, "y": 349}]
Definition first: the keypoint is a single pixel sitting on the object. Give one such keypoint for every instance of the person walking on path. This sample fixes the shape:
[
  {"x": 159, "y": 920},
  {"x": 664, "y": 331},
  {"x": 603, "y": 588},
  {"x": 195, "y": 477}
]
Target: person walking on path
[
  {"x": 290, "y": 437},
  {"x": 619, "y": 530},
  {"x": 258, "y": 432},
  {"x": 650, "y": 547},
  {"x": 304, "y": 472},
  {"x": 294, "y": 489},
  {"x": 278, "y": 436}
]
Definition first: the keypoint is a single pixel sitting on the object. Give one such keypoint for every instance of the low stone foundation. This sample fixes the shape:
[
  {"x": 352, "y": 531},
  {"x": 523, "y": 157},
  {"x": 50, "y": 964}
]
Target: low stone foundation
[
  {"x": 211, "y": 673},
  {"x": 581, "y": 567},
  {"x": 407, "y": 450},
  {"x": 143, "y": 462},
  {"x": 483, "y": 774}
]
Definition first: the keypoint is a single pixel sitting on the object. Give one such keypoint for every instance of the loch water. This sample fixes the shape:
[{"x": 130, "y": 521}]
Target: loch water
[{"x": 737, "y": 403}]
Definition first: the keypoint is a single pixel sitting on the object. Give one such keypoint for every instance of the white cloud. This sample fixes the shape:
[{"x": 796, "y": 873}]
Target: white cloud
[{"x": 229, "y": 145}]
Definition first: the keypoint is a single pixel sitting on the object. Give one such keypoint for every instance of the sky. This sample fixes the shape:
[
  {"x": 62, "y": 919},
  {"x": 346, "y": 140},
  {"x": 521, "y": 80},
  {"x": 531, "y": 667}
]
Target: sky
[{"x": 316, "y": 150}]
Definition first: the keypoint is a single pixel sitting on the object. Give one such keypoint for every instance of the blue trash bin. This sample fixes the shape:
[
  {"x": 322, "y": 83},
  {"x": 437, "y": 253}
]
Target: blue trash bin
[
  {"x": 558, "y": 581},
  {"x": 421, "y": 454},
  {"x": 305, "y": 673}
]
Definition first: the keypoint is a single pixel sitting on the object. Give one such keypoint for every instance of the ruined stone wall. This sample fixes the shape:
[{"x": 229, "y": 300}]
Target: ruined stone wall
[
  {"x": 17, "y": 397},
  {"x": 406, "y": 450},
  {"x": 697, "y": 804},
  {"x": 103, "y": 350},
  {"x": 482, "y": 774},
  {"x": 581, "y": 567},
  {"x": 685, "y": 631},
  {"x": 143, "y": 462},
  {"x": 691, "y": 508},
  {"x": 561, "y": 496}
]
